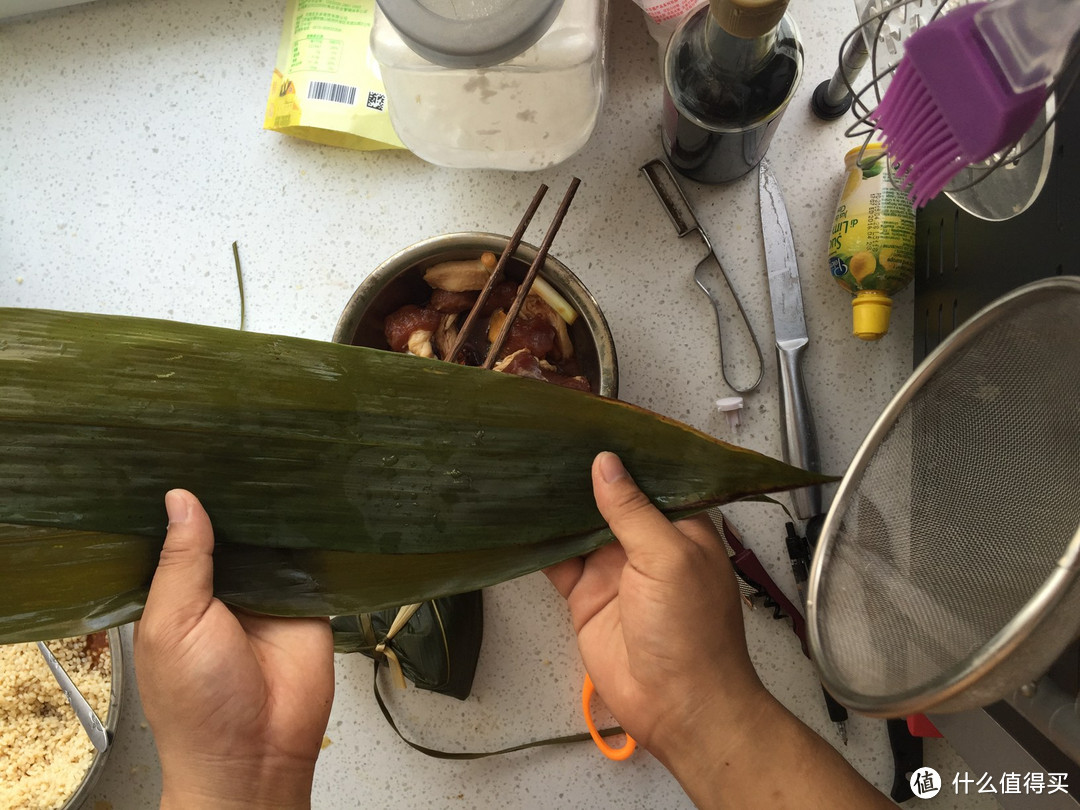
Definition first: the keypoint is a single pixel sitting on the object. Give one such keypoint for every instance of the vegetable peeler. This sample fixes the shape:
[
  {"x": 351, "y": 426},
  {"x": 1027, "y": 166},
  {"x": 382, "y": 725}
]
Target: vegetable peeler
[{"x": 709, "y": 274}]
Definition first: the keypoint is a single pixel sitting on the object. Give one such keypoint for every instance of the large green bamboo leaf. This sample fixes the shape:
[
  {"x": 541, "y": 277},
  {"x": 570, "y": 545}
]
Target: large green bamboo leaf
[
  {"x": 339, "y": 479},
  {"x": 61, "y": 583}
]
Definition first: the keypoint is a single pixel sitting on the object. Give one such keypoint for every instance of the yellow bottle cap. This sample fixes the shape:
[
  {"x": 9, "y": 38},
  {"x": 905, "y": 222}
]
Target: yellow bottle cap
[{"x": 870, "y": 311}]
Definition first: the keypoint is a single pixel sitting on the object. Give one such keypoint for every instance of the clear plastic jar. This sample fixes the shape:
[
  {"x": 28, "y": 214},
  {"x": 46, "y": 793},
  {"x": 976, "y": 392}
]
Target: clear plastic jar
[{"x": 525, "y": 113}]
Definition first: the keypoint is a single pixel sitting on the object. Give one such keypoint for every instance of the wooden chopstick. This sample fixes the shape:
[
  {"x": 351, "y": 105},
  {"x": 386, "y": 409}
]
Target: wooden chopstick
[
  {"x": 534, "y": 268},
  {"x": 496, "y": 274}
]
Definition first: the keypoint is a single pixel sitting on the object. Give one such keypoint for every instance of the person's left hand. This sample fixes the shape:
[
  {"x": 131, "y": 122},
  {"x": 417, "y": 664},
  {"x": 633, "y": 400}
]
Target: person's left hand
[{"x": 238, "y": 703}]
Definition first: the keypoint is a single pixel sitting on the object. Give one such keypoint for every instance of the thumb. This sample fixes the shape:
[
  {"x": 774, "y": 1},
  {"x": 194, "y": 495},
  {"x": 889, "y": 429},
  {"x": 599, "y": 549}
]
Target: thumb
[
  {"x": 632, "y": 517},
  {"x": 183, "y": 583}
]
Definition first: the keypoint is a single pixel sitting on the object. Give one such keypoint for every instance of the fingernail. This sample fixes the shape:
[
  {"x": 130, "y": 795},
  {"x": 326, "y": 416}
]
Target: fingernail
[
  {"x": 611, "y": 467},
  {"x": 177, "y": 506}
]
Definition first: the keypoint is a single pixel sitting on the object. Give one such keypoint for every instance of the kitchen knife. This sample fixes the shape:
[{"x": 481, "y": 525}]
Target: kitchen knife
[{"x": 796, "y": 424}]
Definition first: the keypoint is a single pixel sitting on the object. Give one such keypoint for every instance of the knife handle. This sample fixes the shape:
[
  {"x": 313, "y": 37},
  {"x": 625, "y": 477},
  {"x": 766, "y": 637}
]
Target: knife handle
[{"x": 797, "y": 426}]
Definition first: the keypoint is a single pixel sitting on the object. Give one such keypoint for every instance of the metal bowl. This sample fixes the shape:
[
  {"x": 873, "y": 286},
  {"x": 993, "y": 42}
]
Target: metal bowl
[
  {"x": 110, "y": 721},
  {"x": 400, "y": 280}
]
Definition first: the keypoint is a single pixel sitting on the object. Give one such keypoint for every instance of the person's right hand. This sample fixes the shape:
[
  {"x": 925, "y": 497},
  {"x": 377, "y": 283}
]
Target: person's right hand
[
  {"x": 660, "y": 632},
  {"x": 658, "y": 619}
]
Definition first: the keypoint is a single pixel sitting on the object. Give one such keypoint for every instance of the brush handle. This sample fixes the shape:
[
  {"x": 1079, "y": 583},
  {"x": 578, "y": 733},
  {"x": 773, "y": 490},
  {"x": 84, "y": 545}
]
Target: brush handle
[{"x": 1029, "y": 38}]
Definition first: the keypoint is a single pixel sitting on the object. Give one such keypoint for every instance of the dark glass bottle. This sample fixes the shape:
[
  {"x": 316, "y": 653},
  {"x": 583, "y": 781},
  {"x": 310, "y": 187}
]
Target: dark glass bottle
[{"x": 730, "y": 69}]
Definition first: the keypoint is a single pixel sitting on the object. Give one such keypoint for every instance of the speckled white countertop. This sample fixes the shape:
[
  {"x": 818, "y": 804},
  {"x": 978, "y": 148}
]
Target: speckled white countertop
[{"x": 133, "y": 155}]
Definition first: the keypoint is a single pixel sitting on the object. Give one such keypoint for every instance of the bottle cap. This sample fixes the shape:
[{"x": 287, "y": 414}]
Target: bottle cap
[
  {"x": 870, "y": 312},
  {"x": 730, "y": 407},
  {"x": 470, "y": 33},
  {"x": 748, "y": 18}
]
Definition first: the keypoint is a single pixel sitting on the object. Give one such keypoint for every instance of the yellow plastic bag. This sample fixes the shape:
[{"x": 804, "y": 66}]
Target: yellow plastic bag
[{"x": 326, "y": 87}]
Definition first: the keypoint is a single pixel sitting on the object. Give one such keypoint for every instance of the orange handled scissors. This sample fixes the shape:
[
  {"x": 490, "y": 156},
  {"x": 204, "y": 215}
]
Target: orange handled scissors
[{"x": 617, "y": 754}]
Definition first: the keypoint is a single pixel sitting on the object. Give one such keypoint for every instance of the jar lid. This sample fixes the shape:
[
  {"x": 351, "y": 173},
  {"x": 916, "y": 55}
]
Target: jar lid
[{"x": 470, "y": 33}]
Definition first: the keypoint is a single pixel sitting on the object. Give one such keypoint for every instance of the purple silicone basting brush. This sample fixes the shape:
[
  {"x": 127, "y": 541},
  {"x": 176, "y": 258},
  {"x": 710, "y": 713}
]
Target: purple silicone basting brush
[{"x": 954, "y": 98}]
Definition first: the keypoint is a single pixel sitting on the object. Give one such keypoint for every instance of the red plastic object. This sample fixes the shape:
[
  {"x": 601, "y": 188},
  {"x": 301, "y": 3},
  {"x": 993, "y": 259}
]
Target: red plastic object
[{"x": 920, "y": 726}]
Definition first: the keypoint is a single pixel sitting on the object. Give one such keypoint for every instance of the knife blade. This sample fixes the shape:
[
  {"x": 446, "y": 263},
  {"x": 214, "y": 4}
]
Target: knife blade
[
  {"x": 796, "y": 423},
  {"x": 785, "y": 293}
]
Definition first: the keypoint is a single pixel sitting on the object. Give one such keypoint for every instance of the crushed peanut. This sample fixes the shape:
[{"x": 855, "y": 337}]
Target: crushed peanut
[{"x": 44, "y": 752}]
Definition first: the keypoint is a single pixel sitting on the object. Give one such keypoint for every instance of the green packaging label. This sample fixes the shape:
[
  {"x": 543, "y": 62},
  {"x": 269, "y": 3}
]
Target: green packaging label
[{"x": 873, "y": 235}]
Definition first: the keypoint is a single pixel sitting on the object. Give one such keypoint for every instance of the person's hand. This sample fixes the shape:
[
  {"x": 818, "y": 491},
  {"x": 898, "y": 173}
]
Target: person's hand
[
  {"x": 238, "y": 703},
  {"x": 658, "y": 619},
  {"x": 660, "y": 631}
]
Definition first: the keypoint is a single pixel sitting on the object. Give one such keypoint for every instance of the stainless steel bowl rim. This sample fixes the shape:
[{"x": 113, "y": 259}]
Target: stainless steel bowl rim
[
  {"x": 554, "y": 271},
  {"x": 111, "y": 721}
]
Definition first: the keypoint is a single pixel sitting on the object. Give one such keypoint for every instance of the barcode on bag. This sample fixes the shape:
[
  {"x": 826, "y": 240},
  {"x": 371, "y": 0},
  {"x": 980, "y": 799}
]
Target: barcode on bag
[{"x": 328, "y": 91}]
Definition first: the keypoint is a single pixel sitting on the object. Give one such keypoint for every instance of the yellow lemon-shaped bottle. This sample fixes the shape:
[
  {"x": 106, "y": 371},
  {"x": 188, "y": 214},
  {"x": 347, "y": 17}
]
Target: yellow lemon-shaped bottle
[{"x": 872, "y": 249}]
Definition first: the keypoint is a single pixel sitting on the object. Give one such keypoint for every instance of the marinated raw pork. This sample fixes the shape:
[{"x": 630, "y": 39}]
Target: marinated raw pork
[{"x": 537, "y": 346}]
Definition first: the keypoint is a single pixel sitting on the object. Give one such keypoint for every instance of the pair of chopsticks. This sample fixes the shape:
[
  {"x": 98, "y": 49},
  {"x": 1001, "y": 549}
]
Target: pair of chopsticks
[{"x": 526, "y": 285}]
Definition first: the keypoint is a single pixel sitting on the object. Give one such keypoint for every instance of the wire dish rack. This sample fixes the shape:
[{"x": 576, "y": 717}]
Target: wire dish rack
[{"x": 1006, "y": 183}]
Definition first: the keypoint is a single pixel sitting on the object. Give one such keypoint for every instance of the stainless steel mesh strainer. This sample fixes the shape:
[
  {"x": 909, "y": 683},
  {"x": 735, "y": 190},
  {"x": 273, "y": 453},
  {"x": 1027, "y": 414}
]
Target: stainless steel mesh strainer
[{"x": 946, "y": 574}]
